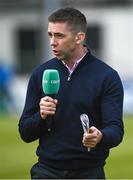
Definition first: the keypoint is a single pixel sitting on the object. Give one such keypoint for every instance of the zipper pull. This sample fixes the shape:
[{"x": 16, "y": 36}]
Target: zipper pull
[{"x": 69, "y": 77}]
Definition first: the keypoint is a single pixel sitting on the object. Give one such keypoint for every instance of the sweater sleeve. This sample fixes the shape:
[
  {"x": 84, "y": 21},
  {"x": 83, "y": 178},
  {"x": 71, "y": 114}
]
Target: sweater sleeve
[
  {"x": 112, "y": 111},
  {"x": 31, "y": 126}
]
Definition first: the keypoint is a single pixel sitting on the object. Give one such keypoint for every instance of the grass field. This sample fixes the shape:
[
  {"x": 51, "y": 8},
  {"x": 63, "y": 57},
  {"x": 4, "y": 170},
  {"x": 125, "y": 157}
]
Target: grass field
[{"x": 17, "y": 157}]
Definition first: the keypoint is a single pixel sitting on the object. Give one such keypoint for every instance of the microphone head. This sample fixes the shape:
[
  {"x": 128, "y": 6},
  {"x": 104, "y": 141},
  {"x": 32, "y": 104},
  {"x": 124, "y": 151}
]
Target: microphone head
[
  {"x": 50, "y": 81},
  {"x": 85, "y": 122}
]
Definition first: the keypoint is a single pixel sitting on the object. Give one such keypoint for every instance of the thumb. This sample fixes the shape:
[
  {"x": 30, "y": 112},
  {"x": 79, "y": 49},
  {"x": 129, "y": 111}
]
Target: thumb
[
  {"x": 55, "y": 101},
  {"x": 92, "y": 129}
]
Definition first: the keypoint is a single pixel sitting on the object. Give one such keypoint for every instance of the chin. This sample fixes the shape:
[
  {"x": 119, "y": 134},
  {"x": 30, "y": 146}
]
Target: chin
[{"x": 60, "y": 58}]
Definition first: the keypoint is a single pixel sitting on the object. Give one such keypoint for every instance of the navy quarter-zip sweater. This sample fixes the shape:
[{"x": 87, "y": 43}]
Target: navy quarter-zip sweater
[{"x": 95, "y": 89}]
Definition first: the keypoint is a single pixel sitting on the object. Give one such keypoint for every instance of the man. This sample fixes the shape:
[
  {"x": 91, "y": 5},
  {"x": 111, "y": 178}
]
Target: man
[{"x": 87, "y": 86}]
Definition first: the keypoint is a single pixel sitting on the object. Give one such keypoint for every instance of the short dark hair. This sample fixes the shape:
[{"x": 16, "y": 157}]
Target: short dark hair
[{"x": 73, "y": 17}]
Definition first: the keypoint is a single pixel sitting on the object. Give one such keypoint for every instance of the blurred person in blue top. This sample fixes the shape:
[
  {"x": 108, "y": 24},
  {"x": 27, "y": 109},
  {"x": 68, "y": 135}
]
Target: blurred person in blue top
[
  {"x": 87, "y": 86},
  {"x": 5, "y": 82}
]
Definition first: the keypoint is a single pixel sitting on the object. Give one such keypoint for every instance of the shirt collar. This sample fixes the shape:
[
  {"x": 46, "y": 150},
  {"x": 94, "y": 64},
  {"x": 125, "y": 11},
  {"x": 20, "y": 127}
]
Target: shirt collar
[{"x": 76, "y": 63}]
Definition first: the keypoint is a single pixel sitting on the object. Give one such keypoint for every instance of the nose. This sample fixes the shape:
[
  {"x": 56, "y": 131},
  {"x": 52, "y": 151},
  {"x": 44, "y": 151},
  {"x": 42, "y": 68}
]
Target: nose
[{"x": 53, "y": 41}]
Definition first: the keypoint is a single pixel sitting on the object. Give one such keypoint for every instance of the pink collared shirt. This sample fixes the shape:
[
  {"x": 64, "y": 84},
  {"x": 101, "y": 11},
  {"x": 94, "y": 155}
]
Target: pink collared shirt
[{"x": 71, "y": 70}]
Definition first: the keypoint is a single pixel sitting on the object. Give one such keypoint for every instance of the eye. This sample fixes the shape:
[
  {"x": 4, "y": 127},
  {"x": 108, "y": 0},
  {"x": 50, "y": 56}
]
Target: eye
[
  {"x": 50, "y": 35},
  {"x": 59, "y": 35}
]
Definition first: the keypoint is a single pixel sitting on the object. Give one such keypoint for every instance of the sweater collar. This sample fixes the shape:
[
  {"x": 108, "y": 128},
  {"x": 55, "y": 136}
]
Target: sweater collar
[{"x": 76, "y": 63}]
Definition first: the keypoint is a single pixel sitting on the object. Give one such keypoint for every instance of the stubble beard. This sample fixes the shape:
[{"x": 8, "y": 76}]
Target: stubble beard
[{"x": 67, "y": 56}]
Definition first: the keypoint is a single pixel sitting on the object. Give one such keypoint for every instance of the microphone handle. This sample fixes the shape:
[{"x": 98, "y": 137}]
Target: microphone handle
[
  {"x": 49, "y": 123},
  {"x": 85, "y": 124},
  {"x": 88, "y": 147},
  {"x": 49, "y": 117}
]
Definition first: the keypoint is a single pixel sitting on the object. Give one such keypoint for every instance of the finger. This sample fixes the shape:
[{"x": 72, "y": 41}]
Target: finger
[
  {"x": 48, "y": 99},
  {"x": 89, "y": 140},
  {"x": 90, "y": 145},
  {"x": 88, "y": 136},
  {"x": 47, "y": 104},
  {"x": 47, "y": 108},
  {"x": 92, "y": 141},
  {"x": 46, "y": 112},
  {"x": 92, "y": 129},
  {"x": 55, "y": 101}
]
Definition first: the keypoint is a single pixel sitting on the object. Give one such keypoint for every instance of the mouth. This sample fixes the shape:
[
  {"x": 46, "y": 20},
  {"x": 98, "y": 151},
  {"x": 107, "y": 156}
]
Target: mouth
[{"x": 56, "y": 53}]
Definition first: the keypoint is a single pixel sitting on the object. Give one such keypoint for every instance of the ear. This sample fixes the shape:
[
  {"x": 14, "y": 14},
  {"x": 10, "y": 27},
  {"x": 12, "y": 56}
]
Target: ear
[{"x": 80, "y": 37}]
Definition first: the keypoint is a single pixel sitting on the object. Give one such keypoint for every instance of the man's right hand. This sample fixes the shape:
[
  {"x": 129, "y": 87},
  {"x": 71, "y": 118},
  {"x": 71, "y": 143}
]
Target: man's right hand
[{"x": 47, "y": 106}]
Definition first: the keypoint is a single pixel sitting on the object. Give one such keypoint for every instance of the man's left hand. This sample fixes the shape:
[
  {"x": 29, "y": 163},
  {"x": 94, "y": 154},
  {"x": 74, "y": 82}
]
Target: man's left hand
[{"x": 92, "y": 137}]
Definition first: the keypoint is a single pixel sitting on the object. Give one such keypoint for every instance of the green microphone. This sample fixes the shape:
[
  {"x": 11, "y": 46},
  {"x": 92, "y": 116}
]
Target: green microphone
[
  {"x": 50, "y": 82},
  {"x": 50, "y": 86}
]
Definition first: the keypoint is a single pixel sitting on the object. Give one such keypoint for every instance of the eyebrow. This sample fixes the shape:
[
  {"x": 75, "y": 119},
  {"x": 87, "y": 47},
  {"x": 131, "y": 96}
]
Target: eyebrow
[{"x": 57, "y": 33}]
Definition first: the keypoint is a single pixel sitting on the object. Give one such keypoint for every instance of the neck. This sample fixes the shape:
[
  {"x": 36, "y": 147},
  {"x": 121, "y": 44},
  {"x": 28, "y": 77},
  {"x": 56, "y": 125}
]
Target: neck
[{"x": 79, "y": 53}]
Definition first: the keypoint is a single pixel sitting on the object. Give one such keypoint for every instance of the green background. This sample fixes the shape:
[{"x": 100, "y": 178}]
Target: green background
[{"x": 17, "y": 157}]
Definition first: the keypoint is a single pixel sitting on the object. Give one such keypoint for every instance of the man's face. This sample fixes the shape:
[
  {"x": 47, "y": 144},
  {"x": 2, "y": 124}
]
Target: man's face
[{"x": 62, "y": 40}]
